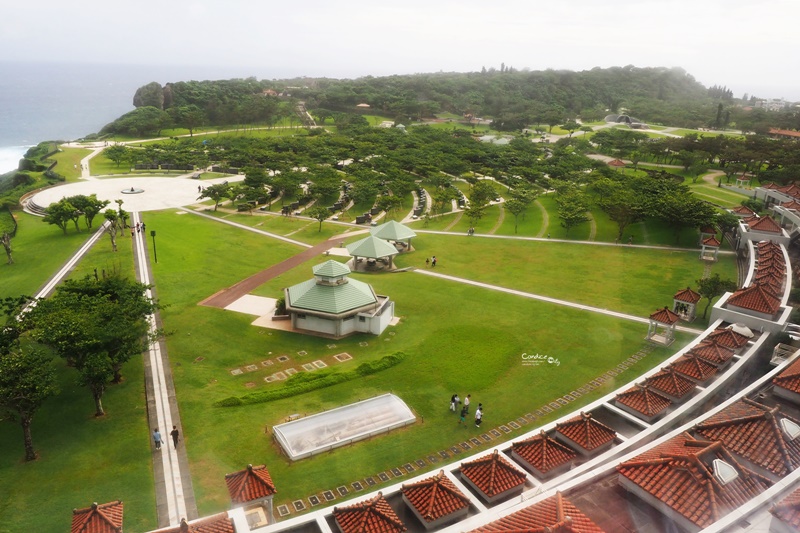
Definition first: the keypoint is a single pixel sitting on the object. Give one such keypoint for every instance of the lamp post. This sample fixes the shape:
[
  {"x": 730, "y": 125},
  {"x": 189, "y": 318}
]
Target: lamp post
[{"x": 153, "y": 235}]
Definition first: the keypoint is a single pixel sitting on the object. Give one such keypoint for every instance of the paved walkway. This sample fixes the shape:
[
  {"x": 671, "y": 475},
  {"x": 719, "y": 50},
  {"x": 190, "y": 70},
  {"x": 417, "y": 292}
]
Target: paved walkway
[
  {"x": 548, "y": 299},
  {"x": 174, "y": 494}
]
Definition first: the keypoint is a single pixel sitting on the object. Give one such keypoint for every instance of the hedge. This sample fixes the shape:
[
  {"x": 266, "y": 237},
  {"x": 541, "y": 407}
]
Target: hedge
[{"x": 307, "y": 381}]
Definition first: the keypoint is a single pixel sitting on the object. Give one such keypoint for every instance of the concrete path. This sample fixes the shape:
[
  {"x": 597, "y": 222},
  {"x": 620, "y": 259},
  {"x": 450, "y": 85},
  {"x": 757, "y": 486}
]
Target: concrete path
[
  {"x": 174, "y": 494},
  {"x": 547, "y": 299},
  {"x": 569, "y": 241}
]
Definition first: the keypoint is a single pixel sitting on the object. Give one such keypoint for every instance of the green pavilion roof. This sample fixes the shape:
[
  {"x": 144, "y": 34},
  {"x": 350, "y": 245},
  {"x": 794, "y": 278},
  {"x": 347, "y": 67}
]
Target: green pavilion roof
[
  {"x": 372, "y": 248},
  {"x": 393, "y": 231},
  {"x": 331, "y": 269},
  {"x": 333, "y": 299}
]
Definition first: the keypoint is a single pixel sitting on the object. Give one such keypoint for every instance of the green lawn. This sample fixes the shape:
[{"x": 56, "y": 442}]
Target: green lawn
[
  {"x": 477, "y": 352},
  {"x": 39, "y": 252},
  {"x": 69, "y": 162},
  {"x": 633, "y": 280},
  {"x": 457, "y": 338},
  {"x": 82, "y": 459}
]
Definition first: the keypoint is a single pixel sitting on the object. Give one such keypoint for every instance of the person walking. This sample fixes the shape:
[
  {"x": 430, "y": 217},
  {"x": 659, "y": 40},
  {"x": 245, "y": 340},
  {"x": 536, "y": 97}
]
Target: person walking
[
  {"x": 453, "y": 402},
  {"x": 464, "y": 412},
  {"x": 466, "y": 402},
  {"x": 157, "y": 438},
  {"x": 433, "y": 262},
  {"x": 479, "y": 415},
  {"x": 175, "y": 434}
]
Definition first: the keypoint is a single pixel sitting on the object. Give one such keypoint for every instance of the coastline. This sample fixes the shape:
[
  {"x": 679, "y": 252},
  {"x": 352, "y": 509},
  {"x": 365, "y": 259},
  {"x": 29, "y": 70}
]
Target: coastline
[{"x": 10, "y": 156}]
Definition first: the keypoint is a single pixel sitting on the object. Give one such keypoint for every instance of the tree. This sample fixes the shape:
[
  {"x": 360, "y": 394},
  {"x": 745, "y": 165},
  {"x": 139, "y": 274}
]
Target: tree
[
  {"x": 60, "y": 213},
  {"x": 572, "y": 210},
  {"x": 216, "y": 192},
  {"x": 117, "y": 153},
  {"x": 680, "y": 210},
  {"x": 625, "y": 207},
  {"x": 571, "y": 126},
  {"x": 189, "y": 117},
  {"x": 97, "y": 325},
  {"x": 474, "y": 213},
  {"x": 390, "y": 204},
  {"x": 482, "y": 193},
  {"x": 516, "y": 207},
  {"x": 5, "y": 240},
  {"x": 27, "y": 379},
  {"x": 712, "y": 287},
  {"x": 726, "y": 221},
  {"x": 89, "y": 206},
  {"x": 318, "y": 213},
  {"x": 113, "y": 220}
]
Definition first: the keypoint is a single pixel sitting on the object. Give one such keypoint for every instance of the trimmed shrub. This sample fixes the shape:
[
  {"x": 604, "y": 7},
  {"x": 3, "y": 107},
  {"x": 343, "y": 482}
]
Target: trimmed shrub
[{"x": 308, "y": 381}]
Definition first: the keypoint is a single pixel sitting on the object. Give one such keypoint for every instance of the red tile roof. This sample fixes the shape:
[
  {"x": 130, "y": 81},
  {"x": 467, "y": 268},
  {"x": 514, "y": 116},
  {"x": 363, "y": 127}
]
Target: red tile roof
[
  {"x": 712, "y": 242},
  {"x": 743, "y": 210},
  {"x": 789, "y": 379},
  {"x": 678, "y": 472},
  {"x": 252, "y": 483},
  {"x": 752, "y": 431},
  {"x": 785, "y": 133},
  {"x": 788, "y": 510},
  {"x": 104, "y": 518},
  {"x": 370, "y": 516},
  {"x": 616, "y": 163},
  {"x": 687, "y": 295},
  {"x": 791, "y": 204},
  {"x": 693, "y": 367},
  {"x": 727, "y": 337},
  {"x": 771, "y": 185},
  {"x": 556, "y": 514},
  {"x": 435, "y": 497},
  {"x": 791, "y": 190},
  {"x": 671, "y": 382},
  {"x": 714, "y": 353},
  {"x": 218, "y": 523},
  {"x": 586, "y": 431},
  {"x": 765, "y": 224},
  {"x": 768, "y": 246},
  {"x": 665, "y": 316},
  {"x": 493, "y": 474},
  {"x": 755, "y": 298},
  {"x": 643, "y": 399},
  {"x": 770, "y": 285},
  {"x": 543, "y": 452}
]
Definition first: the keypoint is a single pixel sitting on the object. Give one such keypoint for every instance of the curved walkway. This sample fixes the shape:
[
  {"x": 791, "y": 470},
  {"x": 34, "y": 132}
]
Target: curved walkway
[{"x": 545, "y": 219}]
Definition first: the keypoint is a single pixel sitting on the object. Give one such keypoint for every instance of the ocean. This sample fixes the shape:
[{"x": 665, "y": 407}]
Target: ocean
[{"x": 58, "y": 101}]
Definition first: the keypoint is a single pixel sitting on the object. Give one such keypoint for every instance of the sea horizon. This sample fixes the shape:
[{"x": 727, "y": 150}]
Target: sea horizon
[{"x": 67, "y": 101}]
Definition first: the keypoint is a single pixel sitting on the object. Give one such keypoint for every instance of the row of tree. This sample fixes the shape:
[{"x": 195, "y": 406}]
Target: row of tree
[{"x": 95, "y": 324}]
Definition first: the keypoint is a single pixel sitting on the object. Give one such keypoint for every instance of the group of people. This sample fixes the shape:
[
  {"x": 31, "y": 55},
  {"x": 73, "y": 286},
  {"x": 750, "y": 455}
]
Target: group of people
[
  {"x": 138, "y": 228},
  {"x": 455, "y": 401},
  {"x": 431, "y": 261},
  {"x": 157, "y": 437}
]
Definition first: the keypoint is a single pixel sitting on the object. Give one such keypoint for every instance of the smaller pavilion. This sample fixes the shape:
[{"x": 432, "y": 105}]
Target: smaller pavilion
[
  {"x": 743, "y": 181},
  {"x": 684, "y": 304},
  {"x": 710, "y": 248},
  {"x": 616, "y": 163},
  {"x": 393, "y": 231},
  {"x": 253, "y": 489},
  {"x": 662, "y": 327},
  {"x": 371, "y": 254}
]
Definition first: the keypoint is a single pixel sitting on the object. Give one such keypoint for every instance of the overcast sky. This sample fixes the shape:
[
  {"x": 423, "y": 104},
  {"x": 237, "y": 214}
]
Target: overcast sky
[{"x": 749, "y": 46}]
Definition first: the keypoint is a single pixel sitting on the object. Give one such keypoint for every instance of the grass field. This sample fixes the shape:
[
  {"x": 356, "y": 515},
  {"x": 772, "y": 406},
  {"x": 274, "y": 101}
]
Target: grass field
[
  {"x": 457, "y": 338},
  {"x": 477, "y": 349}
]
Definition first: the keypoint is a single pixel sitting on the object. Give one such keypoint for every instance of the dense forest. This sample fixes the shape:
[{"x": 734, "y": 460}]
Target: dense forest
[{"x": 512, "y": 99}]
